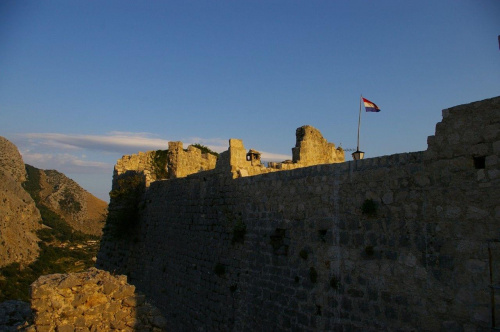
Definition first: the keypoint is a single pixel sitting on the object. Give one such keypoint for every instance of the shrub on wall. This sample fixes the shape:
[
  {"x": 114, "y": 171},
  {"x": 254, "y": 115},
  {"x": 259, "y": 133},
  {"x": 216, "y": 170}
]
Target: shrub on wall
[
  {"x": 369, "y": 207},
  {"x": 303, "y": 254},
  {"x": 160, "y": 160},
  {"x": 334, "y": 282},
  {"x": 239, "y": 231},
  {"x": 313, "y": 275},
  {"x": 205, "y": 149},
  {"x": 219, "y": 269},
  {"x": 369, "y": 251},
  {"x": 125, "y": 197}
]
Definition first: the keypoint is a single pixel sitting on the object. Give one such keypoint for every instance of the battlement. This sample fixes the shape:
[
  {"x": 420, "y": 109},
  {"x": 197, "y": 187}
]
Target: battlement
[{"x": 310, "y": 149}]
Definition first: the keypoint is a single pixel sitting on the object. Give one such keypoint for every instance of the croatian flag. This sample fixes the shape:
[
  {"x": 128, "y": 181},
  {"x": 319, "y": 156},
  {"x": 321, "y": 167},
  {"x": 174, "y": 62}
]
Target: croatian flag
[{"x": 370, "y": 107}]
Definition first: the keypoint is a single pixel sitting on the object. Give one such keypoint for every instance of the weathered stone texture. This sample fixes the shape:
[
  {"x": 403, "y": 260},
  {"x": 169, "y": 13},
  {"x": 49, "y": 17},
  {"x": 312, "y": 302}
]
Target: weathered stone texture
[
  {"x": 182, "y": 163},
  {"x": 19, "y": 217},
  {"x": 143, "y": 162},
  {"x": 312, "y": 149},
  {"x": 395, "y": 243},
  {"x": 93, "y": 300},
  {"x": 19, "y": 220},
  {"x": 11, "y": 162}
]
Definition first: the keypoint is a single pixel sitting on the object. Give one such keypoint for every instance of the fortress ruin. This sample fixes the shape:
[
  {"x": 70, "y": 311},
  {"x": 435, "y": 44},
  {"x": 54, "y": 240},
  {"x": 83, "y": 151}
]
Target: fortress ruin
[{"x": 404, "y": 242}]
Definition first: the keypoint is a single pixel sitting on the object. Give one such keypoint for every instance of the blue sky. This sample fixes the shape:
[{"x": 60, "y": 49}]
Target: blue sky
[{"x": 84, "y": 82}]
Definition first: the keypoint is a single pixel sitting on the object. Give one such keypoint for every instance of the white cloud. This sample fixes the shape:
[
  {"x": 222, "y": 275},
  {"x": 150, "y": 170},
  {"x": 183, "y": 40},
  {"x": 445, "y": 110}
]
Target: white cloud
[
  {"x": 121, "y": 142},
  {"x": 65, "y": 163},
  {"x": 267, "y": 156},
  {"x": 58, "y": 151}
]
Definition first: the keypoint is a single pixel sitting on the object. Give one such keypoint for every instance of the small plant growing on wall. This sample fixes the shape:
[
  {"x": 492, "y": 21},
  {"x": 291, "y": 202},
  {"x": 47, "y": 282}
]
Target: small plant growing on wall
[
  {"x": 233, "y": 288},
  {"x": 205, "y": 149},
  {"x": 160, "y": 161},
  {"x": 313, "y": 275},
  {"x": 369, "y": 251},
  {"x": 369, "y": 207},
  {"x": 123, "y": 212},
  {"x": 334, "y": 282},
  {"x": 239, "y": 231},
  {"x": 277, "y": 240},
  {"x": 219, "y": 269},
  {"x": 322, "y": 235}
]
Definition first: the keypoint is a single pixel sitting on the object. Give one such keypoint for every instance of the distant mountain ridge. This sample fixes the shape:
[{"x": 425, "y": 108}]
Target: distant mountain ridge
[{"x": 80, "y": 209}]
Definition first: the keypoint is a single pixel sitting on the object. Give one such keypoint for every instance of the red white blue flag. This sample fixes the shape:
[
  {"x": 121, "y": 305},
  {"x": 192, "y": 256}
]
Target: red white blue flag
[{"x": 370, "y": 107}]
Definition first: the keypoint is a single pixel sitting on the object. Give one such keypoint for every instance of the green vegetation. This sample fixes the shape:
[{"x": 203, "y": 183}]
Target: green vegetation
[
  {"x": 219, "y": 269},
  {"x": 313, "y": 275},
  {"x": 369, "y": 207},
  {"x": 62, "y": 250},
  {"x": 334, "y": 282},
  {"x": 32, "y": 183},
  {"x": 69, "y": 203},
  {"x": 126, "y": 197},
  {"x": 239, "y": 231},
  {"x": 369, "y": 251},
  {"x": 160, "y": 161},
  {"x": 233, "y": 288},
  {"x": 303, "y": 254},
  {"x": 277, "y": 239},
  {"x": 59, "y": 230},
  {"x": 127, "y": 186},
  {"x": 322, "y": 235},
  {"x": 205, "y": 149}
]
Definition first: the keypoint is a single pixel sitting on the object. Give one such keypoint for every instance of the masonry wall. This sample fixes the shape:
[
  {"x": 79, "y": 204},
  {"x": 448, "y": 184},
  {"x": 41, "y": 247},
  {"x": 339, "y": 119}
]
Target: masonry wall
[{"x": 310, "y": 259}]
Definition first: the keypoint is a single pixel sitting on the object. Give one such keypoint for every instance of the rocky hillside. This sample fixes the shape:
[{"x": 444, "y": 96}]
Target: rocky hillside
[
  {"x": 19, "y": 216},
  {"x": 48, "y": 224},
  {"x": 80, "y": 209}
]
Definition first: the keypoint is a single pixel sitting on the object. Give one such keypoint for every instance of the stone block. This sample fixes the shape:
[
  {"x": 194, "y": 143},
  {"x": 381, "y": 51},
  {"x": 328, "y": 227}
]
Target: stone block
[
  {"x": 123, "y": 292},
  {"x": 109, "y": 287},
  {"x": 496, "y": 148}
]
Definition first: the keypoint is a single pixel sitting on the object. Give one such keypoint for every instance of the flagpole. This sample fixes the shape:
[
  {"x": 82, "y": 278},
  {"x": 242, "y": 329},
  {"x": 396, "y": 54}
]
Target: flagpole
[
  {"x": 358, "y": 155},
  {"x": 359, "y": 119}
]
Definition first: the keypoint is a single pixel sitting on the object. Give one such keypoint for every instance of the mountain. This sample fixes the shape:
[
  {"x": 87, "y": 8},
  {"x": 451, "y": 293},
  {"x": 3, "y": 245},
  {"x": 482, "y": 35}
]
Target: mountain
[
  {"x": 19, "y": 216},
  {"x": 33, "y": 199},
  {"x": 48, "y": 224},
  {"x": 80, "y": 209}
]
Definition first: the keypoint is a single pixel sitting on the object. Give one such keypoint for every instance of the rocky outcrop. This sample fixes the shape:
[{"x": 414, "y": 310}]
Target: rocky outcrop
[
  {"x": 11, "y": 162},
  {"x": 93, "y": 300},
  {"x": 19, "y": 216}
]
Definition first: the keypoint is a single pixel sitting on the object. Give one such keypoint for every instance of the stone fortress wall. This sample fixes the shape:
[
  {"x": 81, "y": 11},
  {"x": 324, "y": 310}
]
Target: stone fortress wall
[{"x": 396, "y": 243}]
